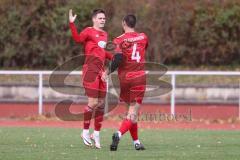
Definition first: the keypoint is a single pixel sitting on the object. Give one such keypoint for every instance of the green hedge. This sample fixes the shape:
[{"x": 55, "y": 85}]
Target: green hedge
[{"x": 35, "y": 34}]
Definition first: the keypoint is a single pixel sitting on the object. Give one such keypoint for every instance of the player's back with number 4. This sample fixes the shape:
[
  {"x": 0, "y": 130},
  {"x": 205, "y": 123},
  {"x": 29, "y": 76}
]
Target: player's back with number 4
[{"x": 133, "y": 47}]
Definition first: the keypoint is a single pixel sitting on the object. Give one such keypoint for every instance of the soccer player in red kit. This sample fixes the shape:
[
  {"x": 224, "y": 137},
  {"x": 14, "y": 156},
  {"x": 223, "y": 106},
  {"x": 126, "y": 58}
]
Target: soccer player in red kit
[
  {"x": 129, "y": 59},
  {"x": 94, "y": 40}
]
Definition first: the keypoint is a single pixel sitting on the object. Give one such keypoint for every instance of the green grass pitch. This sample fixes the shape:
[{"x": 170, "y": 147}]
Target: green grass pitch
[{"x": 62, "y": 143}]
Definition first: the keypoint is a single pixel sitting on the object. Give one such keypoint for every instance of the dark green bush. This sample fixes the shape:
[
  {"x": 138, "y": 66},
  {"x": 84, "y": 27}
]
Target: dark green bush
[{"x": 35, "y": 34}]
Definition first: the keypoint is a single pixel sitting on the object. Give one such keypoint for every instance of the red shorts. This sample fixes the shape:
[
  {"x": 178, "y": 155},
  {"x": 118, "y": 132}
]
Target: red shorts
[
  {"x": 92, "y": 83},
  {"x": 132, "y": 88}
]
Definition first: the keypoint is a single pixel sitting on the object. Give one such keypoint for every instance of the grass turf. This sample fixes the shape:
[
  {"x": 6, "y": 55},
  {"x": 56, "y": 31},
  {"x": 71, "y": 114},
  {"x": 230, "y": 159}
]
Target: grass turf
[{"x": 61, "y": 143}]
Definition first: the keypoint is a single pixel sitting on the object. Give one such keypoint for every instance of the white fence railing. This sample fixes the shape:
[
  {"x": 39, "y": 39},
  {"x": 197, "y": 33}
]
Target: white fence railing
[{"x": 173, "y": 75}]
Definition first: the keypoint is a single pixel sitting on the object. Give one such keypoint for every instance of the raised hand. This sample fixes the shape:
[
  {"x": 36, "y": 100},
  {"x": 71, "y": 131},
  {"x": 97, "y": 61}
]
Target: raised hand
[{"x": 71, "y": 17}]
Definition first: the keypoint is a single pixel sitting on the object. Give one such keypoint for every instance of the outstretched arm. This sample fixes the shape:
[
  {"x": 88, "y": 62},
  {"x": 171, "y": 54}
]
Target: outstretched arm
[
  {"x": 116, "y": 61},
  {"x": 117, "y": 57},
  {"x": 79, "y": 38}
]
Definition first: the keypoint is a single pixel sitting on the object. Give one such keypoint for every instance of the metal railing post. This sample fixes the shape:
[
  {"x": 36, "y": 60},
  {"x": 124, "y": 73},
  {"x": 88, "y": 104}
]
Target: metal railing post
[
  {"x": 173, "y": 82},
  {"x": 106, "y": 99},
  {"x": 40, "y": 93},
  {"x": 239, "y": 99}
]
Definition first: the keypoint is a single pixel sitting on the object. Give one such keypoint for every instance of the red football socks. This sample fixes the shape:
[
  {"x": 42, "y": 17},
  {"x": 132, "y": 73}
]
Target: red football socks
[
  {"x": 99, "y": 113},
  {"x": 87, "y": 117},
  {"x": 134, "y": 131},
  {"x": 125, "y": 126}
]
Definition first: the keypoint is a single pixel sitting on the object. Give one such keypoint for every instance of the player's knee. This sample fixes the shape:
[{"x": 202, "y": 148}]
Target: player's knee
[
  {"x": 100, "y": 108},
  {"x": 93, "y": 104},
  {"x": 132, "y": 117},
  {"x": 101, "y": 103},
  {"x": 133, "y": 112}
]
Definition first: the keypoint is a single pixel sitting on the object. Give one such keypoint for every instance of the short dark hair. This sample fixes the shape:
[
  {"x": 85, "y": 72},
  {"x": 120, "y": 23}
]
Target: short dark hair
[
  {"x": 130, "y": 20},
  {"x": 97, "y": 11}
]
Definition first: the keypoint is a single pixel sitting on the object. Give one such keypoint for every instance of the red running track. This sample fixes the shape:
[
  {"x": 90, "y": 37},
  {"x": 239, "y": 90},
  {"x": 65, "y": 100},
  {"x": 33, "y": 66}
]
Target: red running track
[{"x": 19, "y": 110}]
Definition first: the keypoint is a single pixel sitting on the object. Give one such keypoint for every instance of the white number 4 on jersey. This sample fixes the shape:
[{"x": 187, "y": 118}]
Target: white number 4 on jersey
[{"x": 135, "y": 54}]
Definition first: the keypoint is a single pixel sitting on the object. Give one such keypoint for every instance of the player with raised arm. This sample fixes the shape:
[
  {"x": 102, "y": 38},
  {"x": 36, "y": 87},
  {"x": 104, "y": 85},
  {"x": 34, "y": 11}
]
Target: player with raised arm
[
  {"x": 129, "y": 58},
  {"x": 94, "y": 40}
]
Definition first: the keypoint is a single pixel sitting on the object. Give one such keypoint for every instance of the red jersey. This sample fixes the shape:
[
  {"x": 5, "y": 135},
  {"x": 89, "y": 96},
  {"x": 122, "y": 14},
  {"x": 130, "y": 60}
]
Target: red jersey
[
  {"x": 94, "y": 42},
  {"x": 133, "y": 46}
]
